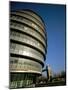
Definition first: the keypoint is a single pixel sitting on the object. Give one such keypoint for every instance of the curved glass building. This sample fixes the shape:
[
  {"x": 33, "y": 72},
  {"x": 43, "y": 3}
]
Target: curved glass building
[{"x": 28, "y": 47}]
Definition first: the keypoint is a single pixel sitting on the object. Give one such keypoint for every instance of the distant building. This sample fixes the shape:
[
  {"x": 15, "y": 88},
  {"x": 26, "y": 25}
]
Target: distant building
[{"x": 28, "y": 47}]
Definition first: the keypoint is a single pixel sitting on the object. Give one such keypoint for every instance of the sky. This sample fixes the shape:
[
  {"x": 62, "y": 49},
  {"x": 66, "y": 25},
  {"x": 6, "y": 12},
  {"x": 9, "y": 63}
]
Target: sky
[{"x": 54, "y": 17}]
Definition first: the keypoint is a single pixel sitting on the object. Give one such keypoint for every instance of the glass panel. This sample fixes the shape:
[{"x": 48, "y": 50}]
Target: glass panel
[
  {"x": 26, "y": 64},
  {"x": 23, "y": 20},
  {"x": 27, "y": 39},
  {"x": 29, "y": 17},
  {"x": 24, "y": 50},
  {"x": 29, "y": 30}
]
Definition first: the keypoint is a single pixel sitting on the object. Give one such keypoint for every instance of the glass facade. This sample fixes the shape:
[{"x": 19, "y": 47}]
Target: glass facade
[
  {"x": 22, "y": 64},
  {"x": 28, "y": 48},
  {"x": 30, "y": 23},
  {"x": 34, "y": 15},
  {"x": 26, "y": 39},
  {"x": 25, "y": 51},
  {"x": 27, "y": 30},
  {"x": 28, "y": 17},
  {"x": 22, "y": 80}
]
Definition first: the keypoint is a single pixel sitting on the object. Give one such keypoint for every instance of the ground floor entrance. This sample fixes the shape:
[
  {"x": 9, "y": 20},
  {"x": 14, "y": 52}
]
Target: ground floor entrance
[{"x": 22, "y": 80}]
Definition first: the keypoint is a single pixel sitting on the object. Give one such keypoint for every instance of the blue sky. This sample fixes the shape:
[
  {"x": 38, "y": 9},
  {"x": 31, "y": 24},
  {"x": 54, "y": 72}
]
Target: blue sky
[{"x": 54, "y": 18}]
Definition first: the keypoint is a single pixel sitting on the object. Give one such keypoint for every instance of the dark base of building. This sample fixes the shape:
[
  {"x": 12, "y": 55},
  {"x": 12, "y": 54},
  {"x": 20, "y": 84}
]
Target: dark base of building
[{"x": 23, "y": 80}]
